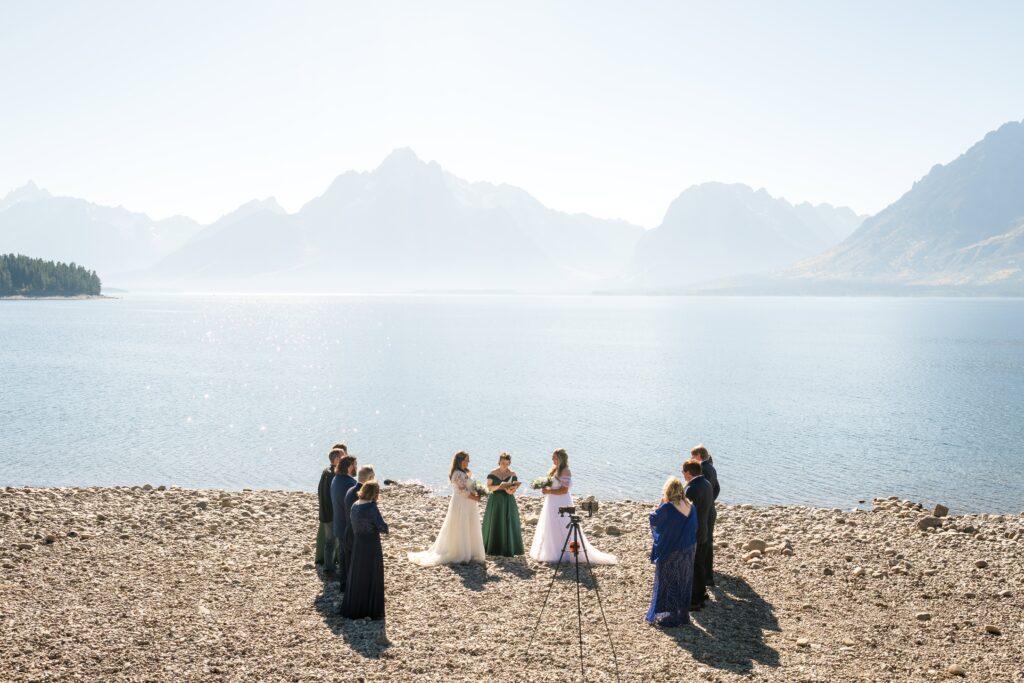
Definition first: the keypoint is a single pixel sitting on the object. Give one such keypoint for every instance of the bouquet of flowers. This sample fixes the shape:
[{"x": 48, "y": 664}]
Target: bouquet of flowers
[
  {"x": 541, "y": 483},
  {"x": 479, "y": 489}
]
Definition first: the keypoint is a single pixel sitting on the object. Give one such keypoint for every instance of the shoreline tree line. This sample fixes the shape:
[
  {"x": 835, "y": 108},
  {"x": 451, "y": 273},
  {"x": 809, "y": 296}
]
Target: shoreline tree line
[{"x": 25, "y": 276}]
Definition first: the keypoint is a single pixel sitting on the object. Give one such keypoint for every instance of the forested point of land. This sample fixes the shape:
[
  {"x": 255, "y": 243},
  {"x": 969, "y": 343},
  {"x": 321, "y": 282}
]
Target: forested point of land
[{"x": 24, "y": 276}]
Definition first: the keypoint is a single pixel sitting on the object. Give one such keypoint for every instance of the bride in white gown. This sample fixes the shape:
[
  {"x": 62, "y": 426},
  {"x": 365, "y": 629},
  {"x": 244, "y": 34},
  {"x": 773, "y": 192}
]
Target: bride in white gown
[
  {"x": 461, "y": 538},
  {"x": 552, "y": 528}
]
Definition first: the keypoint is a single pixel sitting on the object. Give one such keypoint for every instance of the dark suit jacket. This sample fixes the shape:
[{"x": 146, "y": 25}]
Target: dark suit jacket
[
  {"x": 350, "y": 500},
  {"x": 711, "y": 474},
  {"x": 700, "y": 492},
  {"x": 323, "y": 493},
  {"x": 339, "y": 487}
]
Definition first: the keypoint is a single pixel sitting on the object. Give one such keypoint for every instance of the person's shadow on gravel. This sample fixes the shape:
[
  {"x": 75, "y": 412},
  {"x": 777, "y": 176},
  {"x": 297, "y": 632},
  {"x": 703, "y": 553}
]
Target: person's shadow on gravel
[
  {"x": 728, "y": 633},
  {"x": 517, "y": 566},
  {"x": 362, "y": 635},
  {"x": 474, "y": 575}
]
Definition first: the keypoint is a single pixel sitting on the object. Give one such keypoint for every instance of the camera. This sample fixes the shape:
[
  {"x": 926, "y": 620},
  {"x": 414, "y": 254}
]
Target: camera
[{"x": 588, "y": 505}]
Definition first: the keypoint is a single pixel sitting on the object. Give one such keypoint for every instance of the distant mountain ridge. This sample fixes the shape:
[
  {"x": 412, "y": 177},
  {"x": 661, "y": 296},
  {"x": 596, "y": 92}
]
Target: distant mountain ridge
[
  {"x": 960, "y": 226},
  {"x": 408, "y": 225},
  {"x": 113, "y": 241},
  {"x": 717, "y": 230}
]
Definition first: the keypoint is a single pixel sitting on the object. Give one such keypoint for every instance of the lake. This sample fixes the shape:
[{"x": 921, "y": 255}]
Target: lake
[{"x": 823, "y": 401}]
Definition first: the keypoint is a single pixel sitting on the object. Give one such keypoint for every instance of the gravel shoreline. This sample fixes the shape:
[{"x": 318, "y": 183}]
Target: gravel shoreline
[{"x": 142, "y": 584}]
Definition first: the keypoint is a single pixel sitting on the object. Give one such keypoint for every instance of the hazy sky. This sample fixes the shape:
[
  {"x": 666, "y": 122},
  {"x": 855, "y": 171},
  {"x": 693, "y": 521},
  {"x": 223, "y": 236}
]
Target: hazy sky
[{"x": 611, "y": 108}]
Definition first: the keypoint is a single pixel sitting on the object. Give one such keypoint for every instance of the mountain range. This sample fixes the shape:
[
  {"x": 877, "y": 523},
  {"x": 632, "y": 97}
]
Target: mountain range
[
  {"x": 409, "y": 225},
  {"x": 960, "y": 227}
]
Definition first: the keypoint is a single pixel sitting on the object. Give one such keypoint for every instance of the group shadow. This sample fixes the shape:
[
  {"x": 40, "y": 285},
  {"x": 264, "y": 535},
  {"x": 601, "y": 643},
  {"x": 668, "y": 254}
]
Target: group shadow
[
  {"x": 728, "y": 634},
  {"x": 364, "y": 637}
]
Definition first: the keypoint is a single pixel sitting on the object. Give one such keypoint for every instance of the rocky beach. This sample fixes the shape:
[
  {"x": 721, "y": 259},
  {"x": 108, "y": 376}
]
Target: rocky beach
[{"x": 169, "y": 584}]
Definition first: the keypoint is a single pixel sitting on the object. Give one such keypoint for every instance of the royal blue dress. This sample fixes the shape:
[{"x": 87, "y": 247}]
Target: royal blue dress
[
  {"x": 365, "y": 594},
  {"x": 675, "y": 540}
]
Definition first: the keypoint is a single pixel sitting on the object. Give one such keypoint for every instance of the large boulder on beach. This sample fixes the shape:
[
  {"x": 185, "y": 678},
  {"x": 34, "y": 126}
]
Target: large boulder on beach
[{"x": 928, "y": 522}]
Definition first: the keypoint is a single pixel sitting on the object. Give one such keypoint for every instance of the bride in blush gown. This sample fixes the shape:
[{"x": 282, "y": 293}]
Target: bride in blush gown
[
  {"x": 552, "y": 528},
  {"x": 461, "y": 538}
]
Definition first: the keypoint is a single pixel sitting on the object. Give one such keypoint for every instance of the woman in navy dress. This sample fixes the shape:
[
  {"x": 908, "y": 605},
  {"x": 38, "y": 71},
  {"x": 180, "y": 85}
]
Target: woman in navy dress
[
  {"x": 674, "y": 527},
  {"x": 365, "y": 594}
]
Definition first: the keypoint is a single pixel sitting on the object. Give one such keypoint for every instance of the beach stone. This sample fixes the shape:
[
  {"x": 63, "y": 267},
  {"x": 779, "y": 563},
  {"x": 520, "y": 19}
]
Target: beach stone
[
  {"x": 202, "y": 503},
  {"x": 956, "y": 670},
  {"x": 147, "y": 487},
  {"x": 613, "y": 531},
  {"x": 828, "y": 571},
  {"x": 25, "y": 546},
  {"x": 49, "y": 539},
  {"x": 803, "y": 642},
  {"x": 993, "y": 630},
  {"x": 928, "y": 522},
  {"x": 940, "y": 511},
  {"x": 752, "y": 555},
  {"x": 755, "y": 544},
  {"x": 981, "y": 564},
  {"x": 859, "y": 571},
  {"x": 923, "y": 616},
  {"x": 1006, "y": 594}
]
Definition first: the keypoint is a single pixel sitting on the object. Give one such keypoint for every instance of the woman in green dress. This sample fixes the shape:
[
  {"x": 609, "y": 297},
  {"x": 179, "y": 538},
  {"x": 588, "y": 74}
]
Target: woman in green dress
[{"x": 503, "y": 534}]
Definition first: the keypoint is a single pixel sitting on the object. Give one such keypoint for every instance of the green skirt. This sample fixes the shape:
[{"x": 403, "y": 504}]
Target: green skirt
[{"x": 503, "y": 534}]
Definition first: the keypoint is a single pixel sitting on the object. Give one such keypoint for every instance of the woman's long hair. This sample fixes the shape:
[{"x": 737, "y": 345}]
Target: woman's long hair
[
  {"x": 561, "y": 465},
  {"x": 458, "y": 463}
]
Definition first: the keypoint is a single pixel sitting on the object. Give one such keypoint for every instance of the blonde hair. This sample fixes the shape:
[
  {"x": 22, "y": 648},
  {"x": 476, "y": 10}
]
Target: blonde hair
[
  {"x": 673, "y": 490},
  {"x": 370, "y": 491},
  {"x": 561, "y": 465},
  {"x": 457, "y": 463}
]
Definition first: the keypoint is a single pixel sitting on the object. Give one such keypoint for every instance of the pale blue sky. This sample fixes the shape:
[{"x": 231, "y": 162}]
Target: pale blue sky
[{"x": 611, "y": 108}]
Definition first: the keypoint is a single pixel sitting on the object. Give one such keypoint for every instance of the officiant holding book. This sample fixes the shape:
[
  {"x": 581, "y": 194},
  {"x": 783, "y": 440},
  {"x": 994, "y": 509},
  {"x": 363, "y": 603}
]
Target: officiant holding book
[{"x": 503, "y": 533}]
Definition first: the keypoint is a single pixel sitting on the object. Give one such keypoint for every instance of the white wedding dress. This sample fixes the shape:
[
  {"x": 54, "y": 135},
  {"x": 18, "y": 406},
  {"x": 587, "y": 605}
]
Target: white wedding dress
[
  {"x": 552, "y": 530},
  {"x": 461, "y": 538}
]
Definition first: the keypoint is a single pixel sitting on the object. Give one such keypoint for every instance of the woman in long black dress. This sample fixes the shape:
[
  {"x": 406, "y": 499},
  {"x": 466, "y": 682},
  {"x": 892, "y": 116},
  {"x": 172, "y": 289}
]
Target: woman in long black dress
[{"x": 365, "y": 594}]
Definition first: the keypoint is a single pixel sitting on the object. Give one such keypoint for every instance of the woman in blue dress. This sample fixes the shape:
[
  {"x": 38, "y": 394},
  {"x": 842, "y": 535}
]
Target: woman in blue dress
[
  {"x": 365, "y": 594},
  {"x": 674, "y": 527}
]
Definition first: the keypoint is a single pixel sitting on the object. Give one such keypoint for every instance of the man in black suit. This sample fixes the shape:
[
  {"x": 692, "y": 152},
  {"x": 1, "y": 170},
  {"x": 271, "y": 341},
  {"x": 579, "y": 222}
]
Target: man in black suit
[
  {"x": 699, "y": 492},
  {"x": 711, "y": 474}
]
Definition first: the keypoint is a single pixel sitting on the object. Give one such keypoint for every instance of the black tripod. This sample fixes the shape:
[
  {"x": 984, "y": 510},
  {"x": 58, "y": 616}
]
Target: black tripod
[{"x": 574, "y": 544}]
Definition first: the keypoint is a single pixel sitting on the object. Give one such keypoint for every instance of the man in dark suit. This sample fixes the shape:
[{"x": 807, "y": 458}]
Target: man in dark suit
[
  {"x": 343, "y": 481},
  {"x": 366, "y": 473},
  {"x": 325, "y": 534},
  {"x": 699, "y": 492},
  {"x": 711, "y": 474}
]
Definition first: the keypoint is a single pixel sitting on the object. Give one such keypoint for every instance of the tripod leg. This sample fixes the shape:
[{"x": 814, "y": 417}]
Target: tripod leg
[
  {"x": 597, "y": 592},
  {"x": 579, "y": 604},
  {"x": 547, "y": 595}
]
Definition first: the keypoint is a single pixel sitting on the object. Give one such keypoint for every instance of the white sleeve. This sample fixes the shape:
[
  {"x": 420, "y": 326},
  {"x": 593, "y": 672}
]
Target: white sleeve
[{"x": 565, "y": 480}]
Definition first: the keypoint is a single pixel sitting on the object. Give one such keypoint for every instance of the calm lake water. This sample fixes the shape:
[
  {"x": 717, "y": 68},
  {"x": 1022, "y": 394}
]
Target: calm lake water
[{"x": 801, "y": 400}]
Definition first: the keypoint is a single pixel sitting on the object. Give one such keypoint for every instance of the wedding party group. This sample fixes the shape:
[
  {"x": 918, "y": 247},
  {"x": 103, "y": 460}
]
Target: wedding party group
[{"x": 349, "y": 547}]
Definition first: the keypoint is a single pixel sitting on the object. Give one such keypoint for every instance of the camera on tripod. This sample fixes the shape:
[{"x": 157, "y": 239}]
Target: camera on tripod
[{"x": 588, "y": 505}]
